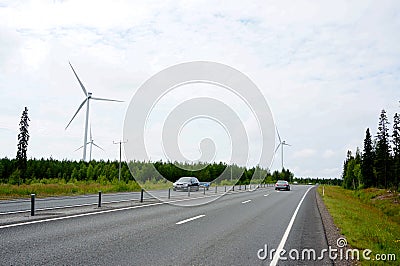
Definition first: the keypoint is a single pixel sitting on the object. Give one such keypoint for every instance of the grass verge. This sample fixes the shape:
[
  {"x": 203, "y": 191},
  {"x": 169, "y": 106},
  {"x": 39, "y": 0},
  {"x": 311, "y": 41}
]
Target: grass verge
[
  {"x": 369, "y": 219},
  {"x": 41, "y": 190}
]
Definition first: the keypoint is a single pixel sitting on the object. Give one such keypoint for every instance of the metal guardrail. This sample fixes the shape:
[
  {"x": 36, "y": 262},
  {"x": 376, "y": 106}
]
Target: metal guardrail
[{"x": 100, "y": 199}]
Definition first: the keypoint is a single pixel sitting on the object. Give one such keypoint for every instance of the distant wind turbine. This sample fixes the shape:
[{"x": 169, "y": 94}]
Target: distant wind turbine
[
  {"x": 87, "y": 101},
  {"x": 281, "y": 144},
  {"x": 91, "y": 142}
]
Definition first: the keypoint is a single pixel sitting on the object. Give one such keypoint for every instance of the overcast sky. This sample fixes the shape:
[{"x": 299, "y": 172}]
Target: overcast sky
[{"x": 326, "y": 69}]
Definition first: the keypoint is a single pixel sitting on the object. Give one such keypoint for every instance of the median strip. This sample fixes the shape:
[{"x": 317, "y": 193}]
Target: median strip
[{"x": 191, "y": 219}]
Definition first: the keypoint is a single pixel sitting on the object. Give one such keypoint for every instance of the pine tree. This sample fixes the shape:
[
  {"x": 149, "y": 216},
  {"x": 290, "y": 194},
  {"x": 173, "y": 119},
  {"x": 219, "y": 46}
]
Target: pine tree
[
  {"x": 23, "y": 138},
  {"x": 396, "y": 150},
  {"x": 347, "y": 174},
  {"x": 383, "y": 152},
  {"x": 367, "y": 165}
]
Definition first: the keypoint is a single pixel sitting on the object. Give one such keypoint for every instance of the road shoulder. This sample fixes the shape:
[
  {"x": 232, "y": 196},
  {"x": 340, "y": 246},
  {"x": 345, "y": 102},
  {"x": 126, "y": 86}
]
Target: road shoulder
[{"x": 332, "y": 232}]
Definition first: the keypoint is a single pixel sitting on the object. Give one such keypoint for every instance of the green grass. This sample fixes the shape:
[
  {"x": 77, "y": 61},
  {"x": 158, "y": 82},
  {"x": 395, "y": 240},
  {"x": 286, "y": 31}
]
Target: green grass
[
  {"x": 57, "y": 188},
  {"x": 156, "y": 185},
  {"x": 369, "y": 219}
]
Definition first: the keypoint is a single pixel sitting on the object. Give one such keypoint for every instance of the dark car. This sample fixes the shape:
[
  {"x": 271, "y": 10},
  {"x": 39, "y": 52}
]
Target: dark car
[
  {"x": 282, "y": 184},
  {"x": 186, "y": 182},
  {"x": 205, "y": 185}
]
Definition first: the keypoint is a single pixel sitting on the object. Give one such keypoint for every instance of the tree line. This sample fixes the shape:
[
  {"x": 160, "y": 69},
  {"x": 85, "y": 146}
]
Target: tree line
[
  {"x": 378, "y": 165},
  {"x": 23, "y": 171},
  {"x": 46, "y": 170}
]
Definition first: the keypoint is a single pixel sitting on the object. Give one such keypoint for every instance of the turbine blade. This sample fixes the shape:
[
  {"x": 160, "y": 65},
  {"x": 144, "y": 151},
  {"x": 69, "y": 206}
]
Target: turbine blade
[
  {"x": 277, "y": 147},
  {"x": 80, "y": 107},
  {"x": 91, "y": 138},
  {"x": 79, "y": 148},
  {"x": 97, "y": 146},
  {"x": 109, "y": 100},
  {"x": 83, "y": 87},
  {"x": 279, "y": 137}
]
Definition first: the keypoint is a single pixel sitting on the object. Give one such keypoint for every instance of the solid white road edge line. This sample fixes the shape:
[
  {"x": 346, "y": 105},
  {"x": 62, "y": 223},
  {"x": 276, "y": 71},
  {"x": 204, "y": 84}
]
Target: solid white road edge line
[
  {"x": 100, "y": 212},
  {"x": 115, "y": 201},
  {"x": 246, "y": 201},
  {"x": 286, "y": 234},
  {"x": 190, "y": 219},
  {"x": 93, "y": 213}
]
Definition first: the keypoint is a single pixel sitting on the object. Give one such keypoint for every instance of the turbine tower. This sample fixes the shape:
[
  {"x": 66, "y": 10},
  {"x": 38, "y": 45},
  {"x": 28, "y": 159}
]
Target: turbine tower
[
  {"x": 91, "y": 142},
  {"x": 281, "y": 144},
  {"x": 89, "y": 97}
]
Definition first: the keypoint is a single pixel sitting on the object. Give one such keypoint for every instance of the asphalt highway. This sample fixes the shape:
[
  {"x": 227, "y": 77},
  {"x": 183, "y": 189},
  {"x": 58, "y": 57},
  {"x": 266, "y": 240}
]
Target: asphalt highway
[
  {"x": 53, "y": 203},
  {"x": 232, "y": 230}
]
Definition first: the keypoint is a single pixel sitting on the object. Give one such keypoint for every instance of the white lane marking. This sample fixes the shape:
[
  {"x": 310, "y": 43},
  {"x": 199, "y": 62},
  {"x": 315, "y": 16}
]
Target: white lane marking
[
  {"x": 94, "y": 213},
  {"x": 190, "y": 219},
  {"x": 266, "y": 195},
  {"x": 274, "y": 261},
  {"x": 101, "y": 212},
  {"x": 107, "y": 202},
  {"x": 246, "y": 201}
]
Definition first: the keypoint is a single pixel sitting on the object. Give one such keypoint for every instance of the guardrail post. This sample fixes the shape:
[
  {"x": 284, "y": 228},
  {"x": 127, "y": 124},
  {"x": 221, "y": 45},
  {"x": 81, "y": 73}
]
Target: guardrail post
[
  {"x": 99, "y": 204},
  {"x": 33, "y": 204},
  {"x": 204, "y": 190},
  {"x": 141, "y": 195},
  {"x": 189, "y": 188},
  {"x": 169, "y": 193},
  {"x": 216, "y": 189},
  {"x": 225, "y": 188}
]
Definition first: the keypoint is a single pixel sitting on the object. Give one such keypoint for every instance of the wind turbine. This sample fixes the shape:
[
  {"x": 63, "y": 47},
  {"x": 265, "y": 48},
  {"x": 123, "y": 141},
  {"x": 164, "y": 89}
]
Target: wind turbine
[
  {"x": 89, "y": 97},
  {"x": 91, "y": 142},
  {"x": 281, "y": 144}
]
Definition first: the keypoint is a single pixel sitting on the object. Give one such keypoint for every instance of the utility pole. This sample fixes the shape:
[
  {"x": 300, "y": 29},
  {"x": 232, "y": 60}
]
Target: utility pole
[{"x": 120, "y": 154}]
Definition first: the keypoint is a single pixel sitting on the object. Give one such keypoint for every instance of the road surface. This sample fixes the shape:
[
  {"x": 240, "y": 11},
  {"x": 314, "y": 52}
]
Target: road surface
[
  {"x": 233, "y": 230},
  {"x": 54, "y": 203}
]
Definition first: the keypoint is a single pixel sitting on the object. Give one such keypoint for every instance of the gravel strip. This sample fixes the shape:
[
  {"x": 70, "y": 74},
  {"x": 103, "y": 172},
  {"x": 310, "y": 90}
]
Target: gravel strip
[{"x": 332, "y": 232}]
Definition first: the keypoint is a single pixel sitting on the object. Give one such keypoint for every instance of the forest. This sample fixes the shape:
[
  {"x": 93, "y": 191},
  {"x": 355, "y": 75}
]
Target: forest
[
  {"x": 378, "y": 165},
  {"x": 48, "y": 170}
]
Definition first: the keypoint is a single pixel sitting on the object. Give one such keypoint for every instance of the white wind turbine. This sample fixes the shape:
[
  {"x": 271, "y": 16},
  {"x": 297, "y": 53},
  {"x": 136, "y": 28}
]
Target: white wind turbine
[
  {"x": 91, "y": 142},
  {"x": 281, "y": 144},
  {"x": 87, "y": 101}
]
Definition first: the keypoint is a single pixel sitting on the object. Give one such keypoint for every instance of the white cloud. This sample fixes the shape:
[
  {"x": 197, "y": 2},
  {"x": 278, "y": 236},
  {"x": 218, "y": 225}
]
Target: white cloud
[
  {"x": 328, "y": 153},
  {"x": 305, "y": 153},
  {"x": 326, "y": 69}
]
